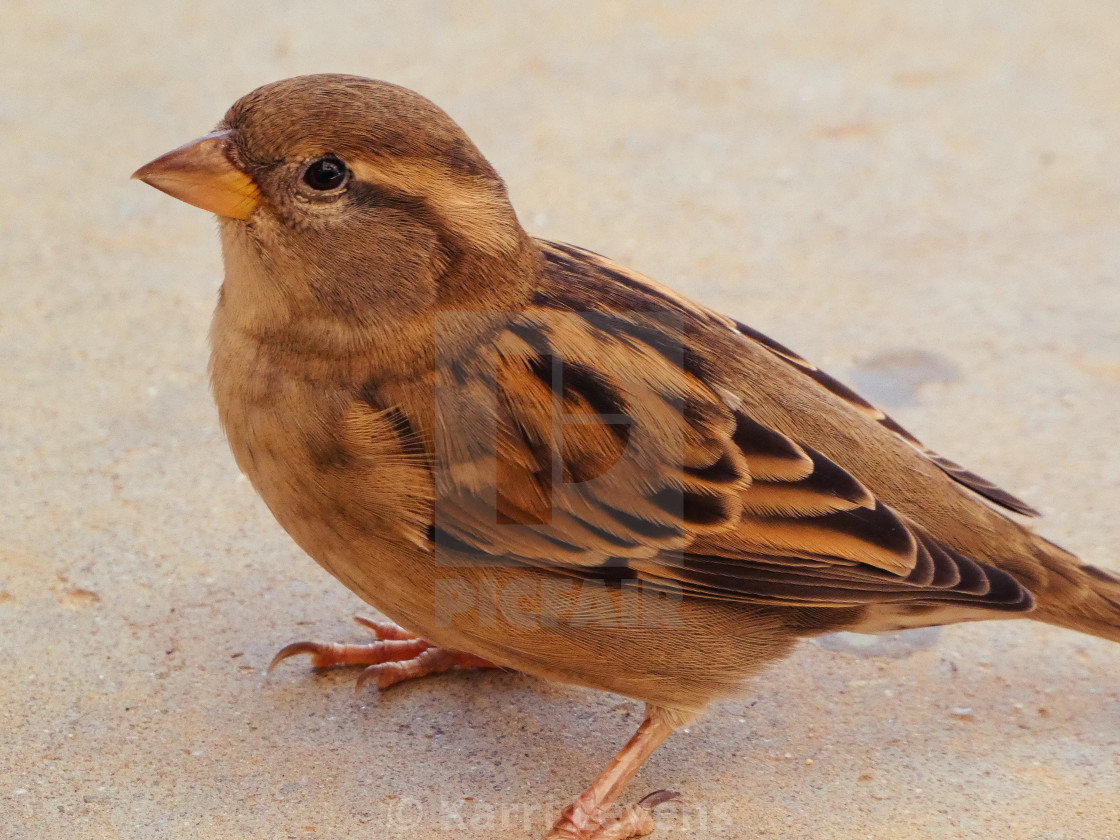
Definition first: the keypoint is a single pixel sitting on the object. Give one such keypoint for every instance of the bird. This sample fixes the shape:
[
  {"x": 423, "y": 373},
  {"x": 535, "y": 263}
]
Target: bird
[{"x": 528, "y": 456}]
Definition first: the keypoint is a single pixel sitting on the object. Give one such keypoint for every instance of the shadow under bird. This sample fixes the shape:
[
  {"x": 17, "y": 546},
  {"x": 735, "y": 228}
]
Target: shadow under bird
[{"x": 531, "y": 457}]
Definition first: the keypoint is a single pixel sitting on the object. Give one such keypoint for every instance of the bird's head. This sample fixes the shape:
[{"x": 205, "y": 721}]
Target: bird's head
[{"x": 347, "y": 194}]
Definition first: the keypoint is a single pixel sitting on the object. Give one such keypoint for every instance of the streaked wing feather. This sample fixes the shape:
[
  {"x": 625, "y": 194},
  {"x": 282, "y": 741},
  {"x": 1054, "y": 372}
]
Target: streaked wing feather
[
  {"x": 624, "y": 460},
  {"x": 971, "y": 480}
]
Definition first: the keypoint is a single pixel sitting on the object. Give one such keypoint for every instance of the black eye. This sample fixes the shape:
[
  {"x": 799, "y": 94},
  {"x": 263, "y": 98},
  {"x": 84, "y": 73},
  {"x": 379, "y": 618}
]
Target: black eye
[{"x": 325, "y": 173}]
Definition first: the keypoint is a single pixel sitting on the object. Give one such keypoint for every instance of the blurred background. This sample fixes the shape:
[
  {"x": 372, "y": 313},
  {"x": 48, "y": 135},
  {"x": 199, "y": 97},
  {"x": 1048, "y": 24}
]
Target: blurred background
[{"x": 923, "y": 198}]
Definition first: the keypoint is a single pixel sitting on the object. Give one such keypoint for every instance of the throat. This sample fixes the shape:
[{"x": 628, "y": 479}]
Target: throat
[{"x": 382, "y": 316}]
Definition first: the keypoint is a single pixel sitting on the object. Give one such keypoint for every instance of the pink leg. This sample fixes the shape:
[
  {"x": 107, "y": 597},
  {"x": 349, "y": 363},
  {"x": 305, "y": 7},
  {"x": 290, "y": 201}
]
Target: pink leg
[
  {"x": 585, "y": 819},
  {"x": 395, "y": 656}
]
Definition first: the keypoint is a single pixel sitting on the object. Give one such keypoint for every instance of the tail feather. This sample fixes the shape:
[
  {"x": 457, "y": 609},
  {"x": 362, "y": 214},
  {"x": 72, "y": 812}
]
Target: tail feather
[{"x": 1077, "y": 596}]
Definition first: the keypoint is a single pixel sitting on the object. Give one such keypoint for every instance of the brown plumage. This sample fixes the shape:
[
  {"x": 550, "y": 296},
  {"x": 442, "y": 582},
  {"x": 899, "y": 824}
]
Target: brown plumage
[{"x": 529, "y": 456}]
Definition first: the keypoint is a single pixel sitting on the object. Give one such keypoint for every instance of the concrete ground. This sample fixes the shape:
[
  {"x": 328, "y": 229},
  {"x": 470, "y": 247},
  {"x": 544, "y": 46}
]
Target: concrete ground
[{"x": 922, "y": 197}]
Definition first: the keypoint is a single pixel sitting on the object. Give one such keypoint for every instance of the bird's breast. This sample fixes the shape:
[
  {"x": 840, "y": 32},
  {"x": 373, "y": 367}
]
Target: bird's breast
[{"x": 331, "y": 468}]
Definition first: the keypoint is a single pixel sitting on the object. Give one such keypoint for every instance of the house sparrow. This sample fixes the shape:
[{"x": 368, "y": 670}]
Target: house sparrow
[{"x": 529, "y": 456}]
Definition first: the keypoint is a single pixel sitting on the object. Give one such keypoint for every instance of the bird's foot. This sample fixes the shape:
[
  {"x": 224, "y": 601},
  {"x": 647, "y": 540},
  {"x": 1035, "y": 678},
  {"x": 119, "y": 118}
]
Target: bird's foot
[
  {"x": 582, "y": 821},
  {"x": 396, "y": 656}
]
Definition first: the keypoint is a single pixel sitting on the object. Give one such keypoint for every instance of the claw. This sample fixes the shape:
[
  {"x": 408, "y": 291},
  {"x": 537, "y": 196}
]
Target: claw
[
  {"x": 296, "y": 649},
  {"x": 658, "y": 797}
]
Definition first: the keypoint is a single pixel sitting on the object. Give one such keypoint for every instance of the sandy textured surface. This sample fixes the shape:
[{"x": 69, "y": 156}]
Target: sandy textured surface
[{"x": 921, "y": 197}]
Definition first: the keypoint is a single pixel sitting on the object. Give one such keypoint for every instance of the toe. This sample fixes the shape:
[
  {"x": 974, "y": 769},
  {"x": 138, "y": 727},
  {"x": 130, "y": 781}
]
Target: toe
[
  {"x": 635, "y": 821},
  {"x": 327, "y": 655},
  {"x": 384, "y": 630}
]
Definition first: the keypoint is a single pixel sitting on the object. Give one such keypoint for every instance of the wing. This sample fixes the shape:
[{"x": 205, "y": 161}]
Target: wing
[
  {"x": 955, "y": 471},
  {"x": 579, "y": 262},
  {"x": 603, "y": 444}
]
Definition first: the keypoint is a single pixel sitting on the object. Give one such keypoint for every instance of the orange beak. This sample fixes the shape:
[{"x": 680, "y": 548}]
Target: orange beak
[{"x": 201, "y": 173}]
